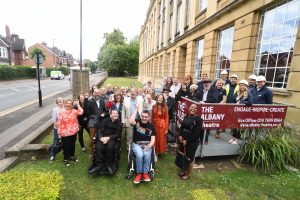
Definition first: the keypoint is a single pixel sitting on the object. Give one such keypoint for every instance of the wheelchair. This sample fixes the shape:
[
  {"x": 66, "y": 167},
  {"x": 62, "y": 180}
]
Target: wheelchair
[
  {"x": 94, "y": 170},
  {"x": 131, "y": 167}
]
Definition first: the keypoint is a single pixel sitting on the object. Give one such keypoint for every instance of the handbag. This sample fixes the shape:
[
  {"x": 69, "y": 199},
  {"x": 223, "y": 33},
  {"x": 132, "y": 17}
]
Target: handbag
[
  {"x": 56, "y": 147},
  {"x": 182, "y": 161}
]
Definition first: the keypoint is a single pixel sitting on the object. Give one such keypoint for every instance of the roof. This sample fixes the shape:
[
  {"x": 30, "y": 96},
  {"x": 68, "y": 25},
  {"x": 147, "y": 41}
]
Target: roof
[
  {"x": 18, "y": 45},
  {"x": 3, "y": 42}
]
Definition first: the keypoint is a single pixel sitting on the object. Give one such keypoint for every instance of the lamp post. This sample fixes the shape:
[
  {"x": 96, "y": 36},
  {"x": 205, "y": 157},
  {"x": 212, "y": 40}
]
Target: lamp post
[
  {"x": 54, "y": 57},
  {"x": 80, "y": 35},
  {"x": 39, "y": 60}
]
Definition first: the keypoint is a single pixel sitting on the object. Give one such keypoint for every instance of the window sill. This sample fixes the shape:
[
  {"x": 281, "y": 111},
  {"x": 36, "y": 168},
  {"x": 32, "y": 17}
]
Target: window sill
[
  {"x": 280, "y": 92},
  {"x": 177, "y": 34},
  {"x": 201, "y": 12},
  {"x": 186, "y": 28}
]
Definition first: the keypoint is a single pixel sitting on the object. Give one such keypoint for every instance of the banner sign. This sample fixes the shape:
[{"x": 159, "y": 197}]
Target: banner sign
[{"x": 222, "y": 116}]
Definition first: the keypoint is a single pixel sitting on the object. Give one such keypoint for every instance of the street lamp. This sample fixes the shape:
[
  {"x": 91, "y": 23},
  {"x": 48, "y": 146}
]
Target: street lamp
[
  {"x": 54, "y": 58},
  {"x": 80, "y": 35}
]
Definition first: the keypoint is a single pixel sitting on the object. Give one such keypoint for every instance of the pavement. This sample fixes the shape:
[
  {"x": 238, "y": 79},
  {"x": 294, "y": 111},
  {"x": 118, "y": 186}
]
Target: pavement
[{"x": 20, "y": 121}]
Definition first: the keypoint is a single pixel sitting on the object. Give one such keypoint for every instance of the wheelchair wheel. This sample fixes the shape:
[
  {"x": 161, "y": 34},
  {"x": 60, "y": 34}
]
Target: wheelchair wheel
[{"x": 152, "y": 175}]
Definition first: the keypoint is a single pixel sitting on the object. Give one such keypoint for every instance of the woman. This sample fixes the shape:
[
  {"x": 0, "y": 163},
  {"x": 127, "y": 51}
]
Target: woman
[
  {"x": 118, "y": 104},
  {"x": 221, "y": 98},
  {"x": 148, "y": 104},
  {"x": 92, "y": 89},
  {"x": 82, "y": 120},
  {"x": 188, "y": 80},
  {"x": 242, "y": 96},
  {"x": 160, "y": 120},
  {"x": 193, "y": 93},
  {"x": 190, "y": 130},
  {"x": 151, "y": 92},
  {"x": 169, "y": 83},
  {"x": 183, "y": 92},
  {"x": 67, "y": 125}
]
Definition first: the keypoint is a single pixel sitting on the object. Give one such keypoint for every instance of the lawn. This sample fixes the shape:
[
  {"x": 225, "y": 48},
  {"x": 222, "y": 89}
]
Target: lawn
[
  {"x": 122, "y": 81},
  {"x": 231, "y": 184}
]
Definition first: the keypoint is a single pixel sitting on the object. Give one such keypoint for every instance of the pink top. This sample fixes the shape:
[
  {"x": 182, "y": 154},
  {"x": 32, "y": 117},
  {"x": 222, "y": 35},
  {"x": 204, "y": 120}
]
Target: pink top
[{"x": 67, "y": 123}]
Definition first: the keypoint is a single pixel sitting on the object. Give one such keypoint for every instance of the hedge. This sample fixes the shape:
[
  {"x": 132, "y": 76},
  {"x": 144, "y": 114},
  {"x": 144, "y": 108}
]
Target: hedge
[
  {"x": 64, "y": 70},
  {"x": 30, "y": 185},
  {"x": 8, "y": 72}
]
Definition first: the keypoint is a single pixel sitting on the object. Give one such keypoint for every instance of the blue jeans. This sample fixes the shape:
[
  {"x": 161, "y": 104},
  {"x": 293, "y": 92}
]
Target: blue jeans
[
  {"x": 143, "y": 158},
  {"x": 55, "y": 141}
]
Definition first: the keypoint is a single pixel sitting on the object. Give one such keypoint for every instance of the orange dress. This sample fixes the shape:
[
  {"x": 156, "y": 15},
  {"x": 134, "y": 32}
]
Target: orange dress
[{"x": 160, "y": 121}]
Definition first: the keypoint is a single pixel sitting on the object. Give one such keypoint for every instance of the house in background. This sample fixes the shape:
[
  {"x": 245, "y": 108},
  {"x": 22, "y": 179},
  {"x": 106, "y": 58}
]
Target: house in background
[
  {"x": 54, "y": 56},
  {"x": 12, "y": 49}
]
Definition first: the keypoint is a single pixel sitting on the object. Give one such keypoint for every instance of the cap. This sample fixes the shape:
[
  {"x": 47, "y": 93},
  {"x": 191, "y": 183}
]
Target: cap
[
  {"x": 206, "y": 80},
  {"x": 243, "y": 82},
  {"x": 234, "y": 76},
  {"x": 252, "y": 76},
  {"x": 260, "y": 78},
  {"x": 224, "y": 72}
]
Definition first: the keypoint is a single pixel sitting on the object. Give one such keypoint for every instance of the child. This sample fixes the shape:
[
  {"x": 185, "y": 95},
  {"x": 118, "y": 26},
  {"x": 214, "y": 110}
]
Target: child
[{"x": 56, "y": 110}]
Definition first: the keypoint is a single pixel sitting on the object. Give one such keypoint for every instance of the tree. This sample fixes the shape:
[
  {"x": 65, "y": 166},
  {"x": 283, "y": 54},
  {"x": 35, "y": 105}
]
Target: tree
[
  {"x": 37, "y": 51},
  {"x": 117, "y": 57},
  {"x": 93, "y": 66}
]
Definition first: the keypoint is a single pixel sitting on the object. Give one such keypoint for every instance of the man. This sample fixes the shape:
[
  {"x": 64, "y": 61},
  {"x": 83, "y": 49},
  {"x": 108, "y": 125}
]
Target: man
[
  {"x": 107, "y": 135},
  {"x": 231, "y": 89},
  {"x": 204, "y": 76},
  {"x": 175, "y": 88},
  {"x": 170, "y": 102},
  {"x": 105, "y": 99},
  {"x": 129, "y": 105},
  {"x": 142, "y": 146},
  {"x": 95, "y": 112},
  {"x": 208, "y": 94},
  {"x": 261, "y": 94},
  {"x": 251, "y": 83},
  {"x": 109, "y": 90},
  {"x": 224, "y": 77},
  {"x": 148, "y": 85}
]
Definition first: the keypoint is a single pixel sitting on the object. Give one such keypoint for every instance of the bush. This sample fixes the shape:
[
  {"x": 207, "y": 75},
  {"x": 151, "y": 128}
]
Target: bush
[
  {"x": 271, "y": 152},
  {"x": 64, "y": 70},
  {"x": 209, "y": 194},
  {"x": 9, "y": 72},
  {"x": 30, "y": 185}
]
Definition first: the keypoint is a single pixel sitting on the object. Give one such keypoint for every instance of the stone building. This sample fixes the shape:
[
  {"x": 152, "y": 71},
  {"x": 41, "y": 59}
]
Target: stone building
[{"x": 181, "y": 37}]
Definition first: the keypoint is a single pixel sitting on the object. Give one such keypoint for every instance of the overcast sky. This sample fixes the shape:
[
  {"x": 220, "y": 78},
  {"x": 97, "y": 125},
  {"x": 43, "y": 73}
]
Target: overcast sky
[{"x": 38, "y": 21}]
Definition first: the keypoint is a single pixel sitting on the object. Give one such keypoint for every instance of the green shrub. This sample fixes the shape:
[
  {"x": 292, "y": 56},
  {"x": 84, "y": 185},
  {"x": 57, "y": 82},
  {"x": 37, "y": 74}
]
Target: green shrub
[
  {"x": 271, "y": 152},
  {"x": 30, "y": 185},
  {"x": 9, "y": 72},
  {"x": 64, "y": 70},
  {"x": 209, "y": 194}
]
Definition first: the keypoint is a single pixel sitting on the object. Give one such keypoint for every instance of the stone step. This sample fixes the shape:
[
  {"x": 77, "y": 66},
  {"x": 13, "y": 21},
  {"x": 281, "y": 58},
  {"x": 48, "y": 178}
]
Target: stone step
[{"x": 8, "y": 163}]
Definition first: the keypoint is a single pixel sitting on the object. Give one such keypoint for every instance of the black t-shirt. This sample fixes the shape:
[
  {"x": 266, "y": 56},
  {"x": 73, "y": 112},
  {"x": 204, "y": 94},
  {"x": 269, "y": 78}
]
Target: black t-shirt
[
  {"x": 221, "y": 93},
  {"x": 143, "y": 132}
]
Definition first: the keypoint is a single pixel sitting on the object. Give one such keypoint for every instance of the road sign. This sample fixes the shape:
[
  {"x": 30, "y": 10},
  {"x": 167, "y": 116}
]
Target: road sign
[{"x": 41, "y": 59}]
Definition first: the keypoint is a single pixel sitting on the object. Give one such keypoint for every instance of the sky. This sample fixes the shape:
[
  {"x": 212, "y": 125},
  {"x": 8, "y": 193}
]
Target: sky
[{"x": 58, "y": 22}]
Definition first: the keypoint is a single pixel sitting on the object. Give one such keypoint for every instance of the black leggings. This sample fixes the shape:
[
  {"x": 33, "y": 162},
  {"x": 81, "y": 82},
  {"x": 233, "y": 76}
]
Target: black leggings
[
  {"x": 80, "y": 135},
  {"x": 68, "y": 145}
]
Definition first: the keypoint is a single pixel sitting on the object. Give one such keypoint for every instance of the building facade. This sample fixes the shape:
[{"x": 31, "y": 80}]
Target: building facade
[
  {"x": 189, "y": 37},
  {"x": 54, "y": 56},
  {"x": 12, "y": 49}
]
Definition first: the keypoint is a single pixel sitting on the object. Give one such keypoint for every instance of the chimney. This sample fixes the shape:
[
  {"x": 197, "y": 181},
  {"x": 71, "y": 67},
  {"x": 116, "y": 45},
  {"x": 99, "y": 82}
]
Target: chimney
[
  {"x": 44, "y": 43},
  {"x": 8, "y": 35}
]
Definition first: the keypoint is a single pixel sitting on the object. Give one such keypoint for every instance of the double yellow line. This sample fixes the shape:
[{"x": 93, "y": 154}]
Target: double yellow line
[{"x": 26, "y": 104}]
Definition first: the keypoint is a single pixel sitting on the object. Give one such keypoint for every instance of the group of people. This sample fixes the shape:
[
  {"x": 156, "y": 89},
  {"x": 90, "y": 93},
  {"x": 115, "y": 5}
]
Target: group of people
[{"x": 146, "y": 117}]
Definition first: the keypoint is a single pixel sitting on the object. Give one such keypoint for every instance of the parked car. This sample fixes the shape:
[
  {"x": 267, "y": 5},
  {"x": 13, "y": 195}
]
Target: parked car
[{"x": 57, "y": 75}]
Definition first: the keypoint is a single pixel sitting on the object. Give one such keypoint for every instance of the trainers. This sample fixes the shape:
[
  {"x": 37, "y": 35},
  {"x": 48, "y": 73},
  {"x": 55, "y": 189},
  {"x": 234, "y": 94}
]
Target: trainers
[
  {"x": 137, "y": 179},
  {"x": 67, "y": 163},
  {"x": 83, "y": 149},
  {"x": 51, "y": 159},
  {"x": 146, "y": 177},
  {"x": 74, "y": 159}
]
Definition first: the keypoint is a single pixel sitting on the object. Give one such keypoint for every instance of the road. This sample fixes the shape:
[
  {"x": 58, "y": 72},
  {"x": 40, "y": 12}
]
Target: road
[{"x": 14, "y": 94}]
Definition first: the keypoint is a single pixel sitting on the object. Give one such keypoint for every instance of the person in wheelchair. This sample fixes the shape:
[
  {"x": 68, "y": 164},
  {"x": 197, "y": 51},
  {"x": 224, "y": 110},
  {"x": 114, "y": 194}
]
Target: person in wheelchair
[
  {"x": 142, "y": 146},
  {"x": 105, "y": 144}
]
